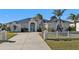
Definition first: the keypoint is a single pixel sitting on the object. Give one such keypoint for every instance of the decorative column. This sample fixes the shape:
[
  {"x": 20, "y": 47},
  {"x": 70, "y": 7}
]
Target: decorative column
[
  {"x": 29, "y": 27},
  {"x": 35, "y": 27}
]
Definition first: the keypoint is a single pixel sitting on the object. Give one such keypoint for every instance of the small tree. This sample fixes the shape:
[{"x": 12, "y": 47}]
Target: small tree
[
  {"x": 39, "y": 16},
  {"x": 57, "y": 14},
  {"x": 4, "y": 27}
]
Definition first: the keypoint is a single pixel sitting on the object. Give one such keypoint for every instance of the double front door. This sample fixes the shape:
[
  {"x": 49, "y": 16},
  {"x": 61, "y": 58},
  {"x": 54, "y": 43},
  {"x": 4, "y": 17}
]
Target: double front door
[{"x": 32, "y": 27}]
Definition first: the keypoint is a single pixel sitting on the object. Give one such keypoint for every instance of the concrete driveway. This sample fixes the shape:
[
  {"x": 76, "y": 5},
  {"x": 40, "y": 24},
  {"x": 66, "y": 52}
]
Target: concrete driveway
[{"x": 25, "y": 41}]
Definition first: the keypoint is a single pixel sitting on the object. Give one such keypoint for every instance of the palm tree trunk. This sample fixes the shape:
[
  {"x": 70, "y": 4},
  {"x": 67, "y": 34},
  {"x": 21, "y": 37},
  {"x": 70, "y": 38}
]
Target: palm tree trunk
[
  {"x": 75, "y": 25},
  {"x": 59, "y": 19}
]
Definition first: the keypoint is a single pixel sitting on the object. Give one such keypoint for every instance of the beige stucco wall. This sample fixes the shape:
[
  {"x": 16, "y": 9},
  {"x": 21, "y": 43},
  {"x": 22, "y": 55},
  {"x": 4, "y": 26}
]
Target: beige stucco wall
[
  {"x": 18, "y": 27},
  {"x": 53, "y": 25},
  {"x": 25, "y": 25}
]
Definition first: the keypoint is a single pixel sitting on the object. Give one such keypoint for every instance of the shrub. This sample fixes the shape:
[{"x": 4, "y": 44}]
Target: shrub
[
  {"x": 39, "y": 30},
  {"x": 72, "y": 28},
  {"x": 24, "y": 30},
  {"x": 53, "y": 30}
]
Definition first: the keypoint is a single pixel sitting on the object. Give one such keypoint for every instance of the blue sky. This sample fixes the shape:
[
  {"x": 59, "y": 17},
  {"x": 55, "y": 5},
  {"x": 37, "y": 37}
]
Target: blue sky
[{"x": 8, "y": 15}]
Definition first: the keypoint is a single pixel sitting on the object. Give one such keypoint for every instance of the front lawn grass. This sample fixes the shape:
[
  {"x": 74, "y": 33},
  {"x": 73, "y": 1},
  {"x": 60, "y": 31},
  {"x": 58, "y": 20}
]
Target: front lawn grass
[
  {"x": 10, "y": 35},
  {"x": 63, "y": 45}
]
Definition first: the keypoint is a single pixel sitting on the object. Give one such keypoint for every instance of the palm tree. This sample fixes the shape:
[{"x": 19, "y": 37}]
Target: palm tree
[
  {"x": 58, "y": 13},
  {"x": 74, "y": 17}
]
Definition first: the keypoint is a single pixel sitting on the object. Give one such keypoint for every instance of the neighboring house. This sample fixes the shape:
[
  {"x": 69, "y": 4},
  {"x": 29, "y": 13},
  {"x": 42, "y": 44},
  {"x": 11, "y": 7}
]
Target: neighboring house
[
  {"x": 34, "y": 25},
  {"x": 73, "y": 25}
]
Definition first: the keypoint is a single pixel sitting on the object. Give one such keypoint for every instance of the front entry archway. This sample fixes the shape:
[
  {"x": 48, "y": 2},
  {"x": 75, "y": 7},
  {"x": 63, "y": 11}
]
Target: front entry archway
[{"x": 32, "y": 26}]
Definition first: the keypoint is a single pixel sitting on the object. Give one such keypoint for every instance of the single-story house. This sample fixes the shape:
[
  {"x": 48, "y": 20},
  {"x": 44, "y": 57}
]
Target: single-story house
[{"x": 29, "y": 24}]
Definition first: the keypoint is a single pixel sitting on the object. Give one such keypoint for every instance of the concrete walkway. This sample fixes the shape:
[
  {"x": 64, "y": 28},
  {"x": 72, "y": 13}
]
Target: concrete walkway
[{"x": 25, "y": 41}]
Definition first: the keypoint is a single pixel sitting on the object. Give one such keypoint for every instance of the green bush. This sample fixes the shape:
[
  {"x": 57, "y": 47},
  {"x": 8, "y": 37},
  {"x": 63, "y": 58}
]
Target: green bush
[
  {"x": 24, "y": 29},
  {"x": 72, "y": 28},
  {"x": 39, "y": 30}
]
